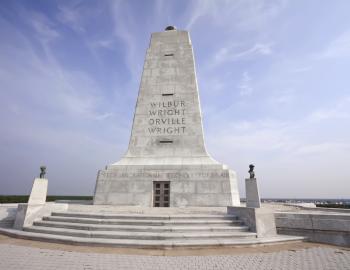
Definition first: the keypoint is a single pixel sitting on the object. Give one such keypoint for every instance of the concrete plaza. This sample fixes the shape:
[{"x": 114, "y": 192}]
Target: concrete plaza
[{"x": 31, "y": 255}]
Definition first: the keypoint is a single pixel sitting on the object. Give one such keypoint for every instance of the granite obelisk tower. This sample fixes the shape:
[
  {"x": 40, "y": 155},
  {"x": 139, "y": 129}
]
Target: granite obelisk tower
[{"x": 166, "y": 163}]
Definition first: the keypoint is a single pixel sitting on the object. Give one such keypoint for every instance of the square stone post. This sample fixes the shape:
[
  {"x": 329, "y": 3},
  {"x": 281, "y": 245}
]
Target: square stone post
[
  {"x": 252, "y": 193},
  {"x": 28, "y": 212}
]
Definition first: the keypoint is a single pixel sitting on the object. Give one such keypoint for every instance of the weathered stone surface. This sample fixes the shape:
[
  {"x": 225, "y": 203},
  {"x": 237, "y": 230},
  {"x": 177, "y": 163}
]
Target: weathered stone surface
[
  {"x": 178, "y": 227},
  {"x": 252, "y": 193},
  {"x": 190, "y": 187},
  {"x": 324, "y": 228},
  {"x": 39, "y": 191},
  {"x": 7, "y": 214},
  {"x": 167, "y": 142},
  {"x": 259, "y": 220},
  {"x": 27, "y": 213}
]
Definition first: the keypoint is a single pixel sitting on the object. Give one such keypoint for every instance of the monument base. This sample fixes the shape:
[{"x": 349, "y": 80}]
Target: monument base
[{"x": 167, "y": 185}]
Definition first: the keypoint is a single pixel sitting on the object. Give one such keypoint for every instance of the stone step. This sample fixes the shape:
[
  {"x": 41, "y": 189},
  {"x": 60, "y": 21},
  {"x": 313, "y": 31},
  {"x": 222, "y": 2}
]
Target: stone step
[
  {"x": 143, "y": 216},
  {"x": 140, "y": 228},
  {"x": 139, "y": 235},
  {"x": 174, "y": 222},
  {"x": 153, "y": 244}
]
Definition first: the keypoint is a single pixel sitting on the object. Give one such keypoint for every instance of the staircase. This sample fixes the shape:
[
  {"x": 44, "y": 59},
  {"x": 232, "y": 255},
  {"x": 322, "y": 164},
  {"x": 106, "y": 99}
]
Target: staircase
[{"x": 145, "y": 230}]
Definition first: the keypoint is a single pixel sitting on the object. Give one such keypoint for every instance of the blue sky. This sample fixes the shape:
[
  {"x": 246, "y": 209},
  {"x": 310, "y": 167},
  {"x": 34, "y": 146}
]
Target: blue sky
[{"x": 273, "y": 79}]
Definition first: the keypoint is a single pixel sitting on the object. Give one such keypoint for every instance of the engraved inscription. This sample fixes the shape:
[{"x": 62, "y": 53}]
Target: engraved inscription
[
  {"x": 167, "y": 117},
  {"x": 141, "y": 174},
  {"x": 165, "y": 175}
]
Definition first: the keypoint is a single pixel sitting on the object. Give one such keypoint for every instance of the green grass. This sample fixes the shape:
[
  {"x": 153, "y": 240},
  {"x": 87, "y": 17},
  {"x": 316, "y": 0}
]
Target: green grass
[{"x": 24, "y": 198}]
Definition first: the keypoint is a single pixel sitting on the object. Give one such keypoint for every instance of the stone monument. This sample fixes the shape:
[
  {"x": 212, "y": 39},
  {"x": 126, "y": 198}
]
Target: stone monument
[{"x": 166, "y": 164}]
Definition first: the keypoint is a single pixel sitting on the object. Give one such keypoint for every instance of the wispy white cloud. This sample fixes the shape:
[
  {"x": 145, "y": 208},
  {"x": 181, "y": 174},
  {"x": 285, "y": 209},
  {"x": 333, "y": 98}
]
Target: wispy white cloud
[
  {"x": 71, "y": 92},
  {"x": 200, "y": 9},
  {"x": 270, "y": 136},
  {"x": 43, "y": 26},
  {"x": 103, "y": 43},
  {"x": 282, "y": 138},
  {"x": 104, "y": 116},
  {"x": 162, "y": 13},
  {"x": 51, "y": 108},
  {"x": 301, "y": 69},
  {"x": 285, "y": 157},
  {"x": 340, "y": 110},
  {"x": 79, "y": 95},
  {"x": 260, "y": 135},
  {"x": 240, "y": 15},
  {"x": 235, "y": 52},
  {"x": 255, "y": 14},
  {"x": 212, "y": 84},
  {"x": 71, "y": 16},
  {"x": 338, "y": 48},
  {"x": 322, "y": 148},
  {"x": 281, "y": 97},
  {"x": 123, "y": 22},
  {"x": 245, "y": 88}
]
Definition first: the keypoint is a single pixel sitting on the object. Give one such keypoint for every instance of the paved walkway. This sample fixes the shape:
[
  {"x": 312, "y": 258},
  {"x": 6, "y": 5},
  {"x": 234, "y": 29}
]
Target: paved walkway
[{"x": 30, "y": 258}]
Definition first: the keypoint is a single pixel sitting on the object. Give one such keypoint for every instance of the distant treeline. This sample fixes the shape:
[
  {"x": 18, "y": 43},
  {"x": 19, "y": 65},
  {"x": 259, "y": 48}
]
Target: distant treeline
[
  {"x": 24, "y": 198},
  {"x": 333, "y": 205}
]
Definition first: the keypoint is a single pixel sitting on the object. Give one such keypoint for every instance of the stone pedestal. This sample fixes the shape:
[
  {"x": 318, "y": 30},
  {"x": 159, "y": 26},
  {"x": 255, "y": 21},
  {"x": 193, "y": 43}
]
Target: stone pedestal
[
  {"x": 167, "y": 144},
  {"x": 252, "y": 193},
  {"x": 28, "y": 212},
  {"x": 39, "y": 191}
]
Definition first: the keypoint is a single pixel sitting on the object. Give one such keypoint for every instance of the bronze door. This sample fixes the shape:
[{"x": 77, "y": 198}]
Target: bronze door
[{"x": 161, "y": 194}]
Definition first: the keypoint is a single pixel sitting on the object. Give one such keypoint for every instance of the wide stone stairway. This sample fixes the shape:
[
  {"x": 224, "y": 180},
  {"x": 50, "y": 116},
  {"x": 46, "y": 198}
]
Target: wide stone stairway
[{"x": 145, "y": 230}]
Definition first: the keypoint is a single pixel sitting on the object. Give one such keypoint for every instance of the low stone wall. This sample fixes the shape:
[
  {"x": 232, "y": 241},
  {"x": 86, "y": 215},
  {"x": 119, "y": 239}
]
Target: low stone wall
[
  {"x": 28, "y": 213},
  {"x": 330, "y": 228},
  {"x": 7, "y": 214},
  {"x": 259, "y": 220}
]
